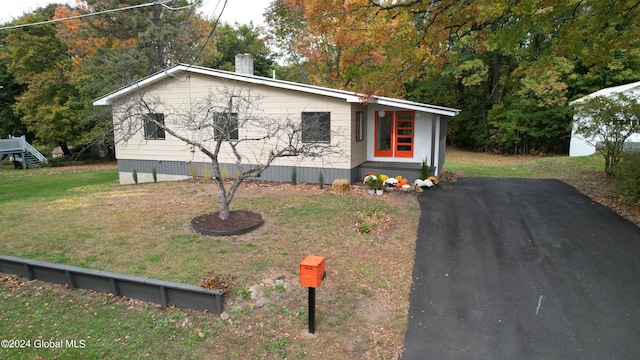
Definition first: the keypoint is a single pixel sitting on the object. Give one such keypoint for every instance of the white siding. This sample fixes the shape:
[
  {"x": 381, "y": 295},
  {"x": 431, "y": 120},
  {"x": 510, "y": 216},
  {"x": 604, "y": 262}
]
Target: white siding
[
  {"x": 179, "y": 94},
  {"x": 423, "y": 134}
]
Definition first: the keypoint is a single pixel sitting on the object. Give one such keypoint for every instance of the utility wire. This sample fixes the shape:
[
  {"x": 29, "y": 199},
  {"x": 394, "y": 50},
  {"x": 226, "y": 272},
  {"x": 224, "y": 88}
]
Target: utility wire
[
  {"x": 157, "y": 2},
  {"x": 213, "y": 30}
]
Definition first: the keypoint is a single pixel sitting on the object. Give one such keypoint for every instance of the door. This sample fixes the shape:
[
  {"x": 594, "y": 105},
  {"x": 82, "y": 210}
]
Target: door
[
  {"x": 404, "y": 134},
  {"x": 394, "y": 134},
  {"x": 384, "y": 134}
]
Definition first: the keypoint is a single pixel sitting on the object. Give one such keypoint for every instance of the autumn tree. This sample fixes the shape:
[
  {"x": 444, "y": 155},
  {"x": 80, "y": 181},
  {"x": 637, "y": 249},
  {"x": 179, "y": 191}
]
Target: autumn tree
[
  {"x": 37, "y": 59},
  {"x": 607, "y": 123},
  {"x": 511, "y": 67}
]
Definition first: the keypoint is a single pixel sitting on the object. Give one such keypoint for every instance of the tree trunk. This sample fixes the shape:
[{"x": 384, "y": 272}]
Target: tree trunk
[
  {"x": 65, "y": 149},
  {"x": 496, "y": 64},
  {"x": 224, "y": 200},
  {"x": 607, "y": 165}
]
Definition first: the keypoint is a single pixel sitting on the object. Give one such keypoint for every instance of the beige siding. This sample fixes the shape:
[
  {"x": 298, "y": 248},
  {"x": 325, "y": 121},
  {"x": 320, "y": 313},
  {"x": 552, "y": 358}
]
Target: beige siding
[
  {"x": 358, "y": 148},
  {"x": 272, "y": 104}
]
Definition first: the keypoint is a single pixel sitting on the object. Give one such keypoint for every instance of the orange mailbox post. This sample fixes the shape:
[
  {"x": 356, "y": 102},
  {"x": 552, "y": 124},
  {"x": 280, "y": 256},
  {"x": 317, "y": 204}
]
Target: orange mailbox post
[{"x": 312, "y": 272}]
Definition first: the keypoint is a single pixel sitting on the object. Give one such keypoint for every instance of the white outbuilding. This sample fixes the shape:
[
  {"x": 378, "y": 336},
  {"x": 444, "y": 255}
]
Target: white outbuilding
[{"x": 580, "y": 146}]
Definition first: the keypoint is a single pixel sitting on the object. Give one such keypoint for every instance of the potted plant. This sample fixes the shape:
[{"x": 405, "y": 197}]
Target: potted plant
[
  {"x": 379, "y": 185},
  {"x": 370, "y": 180}
]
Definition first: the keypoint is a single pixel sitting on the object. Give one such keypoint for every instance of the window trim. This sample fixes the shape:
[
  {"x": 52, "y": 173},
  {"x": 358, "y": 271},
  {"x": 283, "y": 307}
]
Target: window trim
[{"x": 359, "y": 126}]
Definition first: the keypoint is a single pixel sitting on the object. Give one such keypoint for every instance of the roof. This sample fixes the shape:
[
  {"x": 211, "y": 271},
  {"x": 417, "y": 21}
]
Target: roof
[
  {"x": 608, "y": 91},
  {"x": 348, "y": 96}
]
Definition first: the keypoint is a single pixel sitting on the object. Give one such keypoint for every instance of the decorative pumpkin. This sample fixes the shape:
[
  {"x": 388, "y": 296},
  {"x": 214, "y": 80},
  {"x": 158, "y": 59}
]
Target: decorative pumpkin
[
  {"x": 399, "y": 177},
  {"x": 433, "y": 179},
  {"x": 398, "y": 185},
  {"x": 404, "y": 181}
]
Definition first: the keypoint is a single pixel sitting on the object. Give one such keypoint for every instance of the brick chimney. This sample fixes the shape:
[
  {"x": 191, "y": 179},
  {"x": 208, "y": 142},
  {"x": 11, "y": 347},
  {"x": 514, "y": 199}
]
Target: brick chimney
[{"x": 244, "y": 64}]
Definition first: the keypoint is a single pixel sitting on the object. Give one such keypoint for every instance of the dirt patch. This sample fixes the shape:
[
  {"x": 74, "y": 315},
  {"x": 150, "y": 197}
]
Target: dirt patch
[{"x": 373, "y": 311}]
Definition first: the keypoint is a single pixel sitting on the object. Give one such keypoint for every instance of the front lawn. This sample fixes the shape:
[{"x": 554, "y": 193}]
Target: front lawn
[{"x": 84, "y": 218}]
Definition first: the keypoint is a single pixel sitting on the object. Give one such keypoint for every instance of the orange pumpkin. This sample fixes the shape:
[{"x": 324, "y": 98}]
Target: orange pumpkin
[{"x": 404, "y": 182}]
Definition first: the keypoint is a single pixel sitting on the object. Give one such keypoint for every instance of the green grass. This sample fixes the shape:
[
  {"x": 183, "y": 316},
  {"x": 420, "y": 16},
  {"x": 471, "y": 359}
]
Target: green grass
[
  {"x": 84, "y": 218},
  {"x": 560, "y": 167},
  {"x": 35, "y": 185}
]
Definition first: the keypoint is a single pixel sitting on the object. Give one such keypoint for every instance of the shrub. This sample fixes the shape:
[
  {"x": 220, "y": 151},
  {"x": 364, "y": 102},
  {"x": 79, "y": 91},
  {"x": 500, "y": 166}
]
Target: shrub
[
  {"x": 154, "y": 173},
  {"x": 134, "y": 174},
  {"x": 321, "y": 180},
  {"x": 206, "y": 174},
  {"x": 628, "y": 178},
  {"x": 424, "y": 170},
  {"x": 294, "y": 175},
  {"x": 193, "y": 171},
  {"x": 224, "y": 172}
]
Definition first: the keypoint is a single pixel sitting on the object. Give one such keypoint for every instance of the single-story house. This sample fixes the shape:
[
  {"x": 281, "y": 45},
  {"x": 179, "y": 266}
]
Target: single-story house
[
  {"x": 372, "y": 133},
  {"x": 579, "y": 146}
]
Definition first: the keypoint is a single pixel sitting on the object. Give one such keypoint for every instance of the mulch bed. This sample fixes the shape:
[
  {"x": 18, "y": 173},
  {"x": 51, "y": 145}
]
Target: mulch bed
[{"x": 239, "y": 221}]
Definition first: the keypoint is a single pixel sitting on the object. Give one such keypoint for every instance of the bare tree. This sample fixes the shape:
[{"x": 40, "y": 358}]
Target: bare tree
[
  {"x": 607, "y": 123},
  {"x": 228, "y": 122}
]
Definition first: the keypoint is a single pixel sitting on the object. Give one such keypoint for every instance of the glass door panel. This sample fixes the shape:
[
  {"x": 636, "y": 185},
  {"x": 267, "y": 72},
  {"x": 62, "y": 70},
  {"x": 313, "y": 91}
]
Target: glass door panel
[
  {"x": 383, "y": 135},
  {"x": 404, "y": 134}
]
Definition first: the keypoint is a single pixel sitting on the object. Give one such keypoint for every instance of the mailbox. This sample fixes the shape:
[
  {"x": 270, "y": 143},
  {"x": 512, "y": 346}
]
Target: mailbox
[{"x": 312, "y": 271}]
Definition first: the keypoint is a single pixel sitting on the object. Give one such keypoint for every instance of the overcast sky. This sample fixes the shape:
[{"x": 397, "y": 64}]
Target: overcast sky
[{"x": 241, "y": 11}]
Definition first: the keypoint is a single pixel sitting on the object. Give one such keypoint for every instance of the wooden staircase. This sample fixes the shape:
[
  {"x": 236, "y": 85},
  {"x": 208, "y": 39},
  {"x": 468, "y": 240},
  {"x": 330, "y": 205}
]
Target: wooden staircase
[{"x": 22, "y": 152}]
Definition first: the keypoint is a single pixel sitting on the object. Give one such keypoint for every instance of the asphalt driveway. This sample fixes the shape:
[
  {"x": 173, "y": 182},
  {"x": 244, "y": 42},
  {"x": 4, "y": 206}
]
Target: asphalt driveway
[{"x": 522, "y": 269}]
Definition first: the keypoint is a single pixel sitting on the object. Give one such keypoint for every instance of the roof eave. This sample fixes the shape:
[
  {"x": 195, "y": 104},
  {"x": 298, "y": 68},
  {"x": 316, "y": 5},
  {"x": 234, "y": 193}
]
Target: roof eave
[
  {"x": 108, "y": 98},
  {"x": 409, "y": 105}
]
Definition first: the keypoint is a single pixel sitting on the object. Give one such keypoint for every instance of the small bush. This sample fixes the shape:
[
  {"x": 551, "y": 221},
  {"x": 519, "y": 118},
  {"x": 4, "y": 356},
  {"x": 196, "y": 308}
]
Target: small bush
[
  {"x": 294, "y": 175},
  {"x": 628, "y": 178},
  {"x": 154, "y": 173},
  {"x": 321, "y": 180},
  {"x": 193, "y": 172},
  {"x": 424, "y": 170},
  {"x": 224, "y": 172},
  {"x": 206, "y": 175},
  {"x": 134, "y": 174}
]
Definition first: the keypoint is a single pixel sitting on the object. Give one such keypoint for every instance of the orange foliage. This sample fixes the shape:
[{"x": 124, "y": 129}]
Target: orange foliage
[{"x": 374, "y": 47}]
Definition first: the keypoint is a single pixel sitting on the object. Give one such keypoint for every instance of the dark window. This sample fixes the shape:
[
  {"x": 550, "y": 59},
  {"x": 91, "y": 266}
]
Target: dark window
[
  {"x": 226, "y": 126},
  {"x": 359, "y": 126},
  {"x": 151, "y": 130},
  {"x": 316, "y": 127}
]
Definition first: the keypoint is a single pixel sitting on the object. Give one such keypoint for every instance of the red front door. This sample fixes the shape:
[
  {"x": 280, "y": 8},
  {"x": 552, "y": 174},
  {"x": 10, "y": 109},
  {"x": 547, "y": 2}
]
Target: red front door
[{"x": 394, "y": 134}]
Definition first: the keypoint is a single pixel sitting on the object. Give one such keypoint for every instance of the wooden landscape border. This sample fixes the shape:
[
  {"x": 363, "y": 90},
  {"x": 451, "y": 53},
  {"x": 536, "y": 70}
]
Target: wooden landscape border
[{"x": 156, "y": 291}]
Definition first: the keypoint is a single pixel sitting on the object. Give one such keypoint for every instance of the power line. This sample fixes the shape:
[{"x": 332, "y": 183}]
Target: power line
[
  {"x": 213, "y": 30},
  {"x": 157, "y": 2}
]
